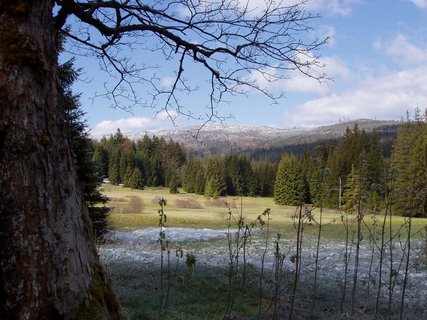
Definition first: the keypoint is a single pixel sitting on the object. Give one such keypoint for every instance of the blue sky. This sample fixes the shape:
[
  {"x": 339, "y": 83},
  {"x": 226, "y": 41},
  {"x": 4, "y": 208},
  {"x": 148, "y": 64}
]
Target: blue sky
[{"x": 377, "y": 58}]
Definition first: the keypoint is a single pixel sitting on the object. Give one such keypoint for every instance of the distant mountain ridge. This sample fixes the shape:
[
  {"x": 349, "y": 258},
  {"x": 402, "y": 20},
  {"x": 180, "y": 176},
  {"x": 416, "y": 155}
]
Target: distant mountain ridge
[{"x": 217, "y": 139}]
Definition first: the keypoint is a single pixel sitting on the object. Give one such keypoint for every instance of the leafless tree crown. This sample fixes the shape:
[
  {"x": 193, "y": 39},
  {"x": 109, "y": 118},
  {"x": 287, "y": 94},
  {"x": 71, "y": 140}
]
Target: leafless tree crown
[{"x": 230, "y": 39}]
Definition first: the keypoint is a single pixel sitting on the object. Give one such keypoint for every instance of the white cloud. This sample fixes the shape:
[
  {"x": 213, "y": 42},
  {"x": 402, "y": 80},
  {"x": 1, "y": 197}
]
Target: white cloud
[
  {"x": 167, "y": 82},
  {"x": 266, "y": 79},
  {"x": 301, "y": 83},
  {"x": 333, "y": 67},
  {"x": 402, "y": 50},
  {"x": 332, "y": 7},
  {"x": 336, "y": 68},
  {"x": 134, "y": 124},
  {"x": 323, "y": 32},
  {"x": 387, "y": 97},
  {"x": 420, "y": 3}
]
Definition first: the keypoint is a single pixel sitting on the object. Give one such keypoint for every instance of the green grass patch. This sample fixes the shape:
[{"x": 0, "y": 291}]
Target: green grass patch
[
  {"x": 195, "y": 211},
  {"x": 147, "y": 291}
]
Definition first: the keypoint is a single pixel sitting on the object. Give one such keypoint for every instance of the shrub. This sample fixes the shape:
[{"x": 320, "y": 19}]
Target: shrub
[
  {"x": 188, "y": 203},
  {"x": 221, "y": 203},
  {"x": 134, "y": 205}
]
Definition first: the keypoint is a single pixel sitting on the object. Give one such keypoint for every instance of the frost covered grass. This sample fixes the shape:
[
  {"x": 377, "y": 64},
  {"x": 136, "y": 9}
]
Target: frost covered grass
[
  {"x": 213, "y": 263},
  {"x": 133, "y": 263}
]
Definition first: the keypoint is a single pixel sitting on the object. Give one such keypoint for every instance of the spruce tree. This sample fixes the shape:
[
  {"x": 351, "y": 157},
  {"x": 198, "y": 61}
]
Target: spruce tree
[
  {"x": 409, "y": 168},
  {"x": 189, "y": 177},
  {"x": 173, "y": 185},
  {"x": 100, "y": 158},
  {"x": 287, "y": 188},
  {"x": 265, "y": 175},
  {"x": 191, "y": 169},
  {"x": 136, "y": 179},
  {"x": 419, "y": 168},
  {"x": 374, "y": 165},
  {"x": 352, "y": 194},
  {"x": 341, "y": 160},
  {"x": 215, "y": 177},
  {"x": 87, "y": 174},
  {"x": 200, "y": 181},
  {"x": 114, "y": 167}
]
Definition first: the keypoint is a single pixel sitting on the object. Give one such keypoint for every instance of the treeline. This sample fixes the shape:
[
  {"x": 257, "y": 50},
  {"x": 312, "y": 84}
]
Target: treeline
[
  {"x": 320, "y": 178},
  {"x": 358, "y": 170},
  {"x": 152, "y": 161},
  {"x": 386, "y": 137},
  {"x": 147, "y": 162},
  {"x": 355, "y": 174},
  {"x": 229, "y": 175}
]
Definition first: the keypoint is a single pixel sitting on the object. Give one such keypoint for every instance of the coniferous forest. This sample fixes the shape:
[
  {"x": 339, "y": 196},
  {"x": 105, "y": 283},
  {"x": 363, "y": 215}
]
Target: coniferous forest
[
  {"x": 191, "y": 59},
  {"x": 329, "y": 175}
]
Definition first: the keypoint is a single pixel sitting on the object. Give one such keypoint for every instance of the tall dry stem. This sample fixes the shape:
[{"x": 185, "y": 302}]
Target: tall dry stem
[
  {"x": 408, "y": 254},
  {"x": 296, "y": 259}
]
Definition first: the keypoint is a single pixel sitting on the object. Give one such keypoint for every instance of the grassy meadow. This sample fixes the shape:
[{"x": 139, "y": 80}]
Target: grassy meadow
[
  {"x": 276, "y": 271},
  {"x": 134, "y": 209}
]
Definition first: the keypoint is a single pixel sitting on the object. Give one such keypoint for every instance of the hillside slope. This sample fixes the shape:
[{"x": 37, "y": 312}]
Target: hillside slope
[{"x": 217, "y": 139}]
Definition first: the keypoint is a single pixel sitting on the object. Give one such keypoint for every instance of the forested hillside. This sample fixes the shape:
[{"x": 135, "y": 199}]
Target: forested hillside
[
  {"x": 361, "y": 168},
  {"x": 266, "y": 143},
  {"x": 331, "y": 135}
]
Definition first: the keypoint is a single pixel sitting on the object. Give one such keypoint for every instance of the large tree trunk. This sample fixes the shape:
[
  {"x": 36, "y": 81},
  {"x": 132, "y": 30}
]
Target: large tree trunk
[{"x": 49, "y": 268}]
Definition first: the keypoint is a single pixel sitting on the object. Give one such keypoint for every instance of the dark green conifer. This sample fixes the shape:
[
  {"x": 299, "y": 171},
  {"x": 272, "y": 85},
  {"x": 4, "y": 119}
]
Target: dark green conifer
[{"x": 81, "y": 145}]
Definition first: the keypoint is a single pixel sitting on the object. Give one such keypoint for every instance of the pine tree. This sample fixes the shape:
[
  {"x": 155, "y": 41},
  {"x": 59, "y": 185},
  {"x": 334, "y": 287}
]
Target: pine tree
[
  {"x": 265, "y": 175},
  {"x": 318, "y": 175},
  {"x": 352, "y": 192},
  {"x": 87, "y": 174},
  {"x": 173, "y": 185},
  {"x": 118, "y": 137},
  {"x": 246, "y": 185},
  {"x": 341, "y": 160},
  {"x": 287, "y": 188},
  {"x": 114, "y": 167},
  {"x": 219, "y": 185},
  {"x": 100, "y": 158},
  {"x": 193, "y": 176},
  {"x": 409, "y": 168},
  {"x": 215, "y": 177},
  {"x": 200, "y": 181},
  {"x": 419, "y": 168},
  {"x": 232, "y": 166},
  {"x": 136, "y": 179}
]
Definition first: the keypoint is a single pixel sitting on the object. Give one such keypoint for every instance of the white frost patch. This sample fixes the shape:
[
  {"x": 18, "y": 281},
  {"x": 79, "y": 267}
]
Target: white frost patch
[
  {"x": 150, "y": 236},
  {"x": 141, "y": 249}
]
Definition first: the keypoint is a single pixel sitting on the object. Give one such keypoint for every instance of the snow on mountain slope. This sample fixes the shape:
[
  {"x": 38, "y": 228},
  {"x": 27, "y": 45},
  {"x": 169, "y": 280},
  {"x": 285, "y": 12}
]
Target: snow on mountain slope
[{"x": 223, "y": 138}]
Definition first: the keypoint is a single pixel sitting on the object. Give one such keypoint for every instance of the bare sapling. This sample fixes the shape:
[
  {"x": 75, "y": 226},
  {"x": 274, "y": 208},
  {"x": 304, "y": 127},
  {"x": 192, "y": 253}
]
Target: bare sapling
[
  {"x": 373, "y": 238},
  {"x": 234, "y": 239},
  {"x": 407, "y": 253},
  {"x": 345, "y": 222},
  {"x": 316, "y": 261},
  {"x": 392, "y": 271},
  {"x": 387, "y": 213},
  {"x": 296, "y": 259},
  {"x": 263, "y": 223},
  {"x": 164, "y": 245},
  {"x": 279, "y": 259},
  {"x": 359, "y": 238}
]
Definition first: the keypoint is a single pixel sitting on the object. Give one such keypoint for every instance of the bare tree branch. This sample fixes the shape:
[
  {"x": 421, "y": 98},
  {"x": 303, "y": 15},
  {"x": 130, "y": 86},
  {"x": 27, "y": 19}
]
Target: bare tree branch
[{"x": 227, "y": 38}]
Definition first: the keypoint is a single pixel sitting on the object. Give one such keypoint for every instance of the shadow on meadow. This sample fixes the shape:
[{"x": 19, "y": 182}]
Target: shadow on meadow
[{"x": 249, "y": 271}]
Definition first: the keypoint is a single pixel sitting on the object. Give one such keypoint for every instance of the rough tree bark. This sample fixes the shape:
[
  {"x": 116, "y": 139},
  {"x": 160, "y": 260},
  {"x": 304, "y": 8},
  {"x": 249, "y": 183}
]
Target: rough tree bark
[{"x": 49, "y": 268}]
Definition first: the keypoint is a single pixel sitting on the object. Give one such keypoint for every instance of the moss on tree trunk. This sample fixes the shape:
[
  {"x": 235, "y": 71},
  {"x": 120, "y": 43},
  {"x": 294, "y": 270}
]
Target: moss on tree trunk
[{"x": 49, "y": 268}]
